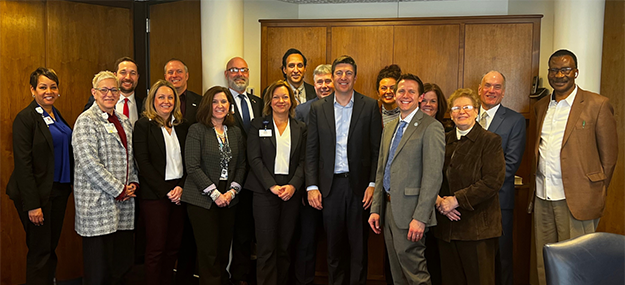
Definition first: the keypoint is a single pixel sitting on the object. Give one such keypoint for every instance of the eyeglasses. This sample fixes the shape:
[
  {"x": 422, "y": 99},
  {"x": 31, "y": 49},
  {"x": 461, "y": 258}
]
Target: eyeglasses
[
  {"x": 237, "y": 69},
  {"x": 105, "y": 90},
  {"x": 466, "y": 108},
  {"x": 564, "y": 70}
]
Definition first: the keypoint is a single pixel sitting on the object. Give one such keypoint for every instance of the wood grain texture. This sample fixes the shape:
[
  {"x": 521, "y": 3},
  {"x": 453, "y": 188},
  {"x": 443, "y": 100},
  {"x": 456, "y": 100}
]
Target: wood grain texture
[
  {"x": 22, "y": 50},
  {"x": 612, "y": 86},
  {"x": 311, "y": 41},
  {"x": 372, "y": 49},
  {"x": 430, "y": 52},
  {"x": 506, "y": 48},
  {"x": 175, "y": 33}
]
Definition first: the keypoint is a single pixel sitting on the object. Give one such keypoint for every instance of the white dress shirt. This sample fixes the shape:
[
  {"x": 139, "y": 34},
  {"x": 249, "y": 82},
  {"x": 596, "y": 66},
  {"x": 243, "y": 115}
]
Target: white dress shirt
[
  {"x": 491, "y": 114},
  {"x": 173, "y": 167},
  {"x": 283, "y": 149},
  {"x": 237, "y": 99},
  {"x": 407, "y": 120},
  {"x": 132, "y": 107},
  {"x": 549, "y": 175}
]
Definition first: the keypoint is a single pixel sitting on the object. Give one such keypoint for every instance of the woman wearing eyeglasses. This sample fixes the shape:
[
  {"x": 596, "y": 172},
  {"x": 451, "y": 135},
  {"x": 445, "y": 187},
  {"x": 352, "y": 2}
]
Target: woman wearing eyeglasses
[
  {"x": 41, "y": 181},
  {"x": 105, "y": 184},
  {"x": 469, "y": 218}
]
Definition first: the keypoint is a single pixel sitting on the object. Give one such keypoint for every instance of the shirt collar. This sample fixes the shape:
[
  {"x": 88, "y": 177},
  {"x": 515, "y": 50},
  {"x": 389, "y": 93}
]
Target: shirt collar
[
  {"x": 300, "y": 88},
  {"x": 408, "y": 118},
  {"x": 569, "y": 100},
  {"x": 491, "y": 112},
  {"x": 350, "y": 104},
  {"x": 235, "y": 93},
  {"x": 131, "y": 98}
]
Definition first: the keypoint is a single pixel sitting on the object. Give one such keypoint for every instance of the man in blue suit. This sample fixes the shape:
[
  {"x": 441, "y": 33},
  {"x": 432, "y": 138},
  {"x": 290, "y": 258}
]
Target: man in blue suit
[{"x": 510, "y": 125}]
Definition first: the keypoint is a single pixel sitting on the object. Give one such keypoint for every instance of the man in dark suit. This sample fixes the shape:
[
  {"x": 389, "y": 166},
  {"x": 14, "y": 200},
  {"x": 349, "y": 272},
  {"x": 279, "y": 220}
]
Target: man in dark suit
[
  {"x": 575, "y": 153},
  {"x": 177, "y": 73},
  {"x": 342, "y": 153},
  {"x": 310, "y": 219},
  {"x": 248, "y": 106},
  {"x": 510, "y": 126},
  {"x": 128, "y": 76},
  {"x": 322, "y": 77},
  {"x": 409, "y": 177},
  {"x": 294, "y": 68}
]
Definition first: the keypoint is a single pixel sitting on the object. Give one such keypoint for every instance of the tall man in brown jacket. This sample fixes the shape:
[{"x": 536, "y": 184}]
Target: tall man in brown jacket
[{"x": 575, "y": 154}]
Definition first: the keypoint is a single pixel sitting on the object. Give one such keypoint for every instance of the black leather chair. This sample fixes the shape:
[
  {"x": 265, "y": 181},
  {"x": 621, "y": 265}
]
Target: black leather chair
[{"x": 597, "y": 258}]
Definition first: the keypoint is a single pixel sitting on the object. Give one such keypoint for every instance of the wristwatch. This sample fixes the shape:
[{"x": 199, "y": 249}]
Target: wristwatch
[{"x": 215, "y": 194}]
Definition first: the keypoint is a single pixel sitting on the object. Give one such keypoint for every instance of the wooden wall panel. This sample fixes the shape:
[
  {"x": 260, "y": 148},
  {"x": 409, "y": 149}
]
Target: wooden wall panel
[
  {"x": 22, "y": 50},
  {"x": 430, "y": 52},
  {"x": 612, "y": 86},
  {"x": 311, "y": 41},
  {"x": 498, "y": 47},
  {"x": 372, "y": 49},
  {"x": 175, "y": 33}
]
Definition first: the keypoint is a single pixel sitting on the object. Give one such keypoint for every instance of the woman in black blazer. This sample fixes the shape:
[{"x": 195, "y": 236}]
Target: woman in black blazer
[
  {"x": 41, "y": 181},
  {"x": 215, "y": 161},
  {"x": 159, "y": 138},
  {"x": 276, "y": 147}
]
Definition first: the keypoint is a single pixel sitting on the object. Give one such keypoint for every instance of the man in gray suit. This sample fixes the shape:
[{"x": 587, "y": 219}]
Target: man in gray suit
[
  {"x": 510, "y": 126},
  {"x": 408, "y": 179}
]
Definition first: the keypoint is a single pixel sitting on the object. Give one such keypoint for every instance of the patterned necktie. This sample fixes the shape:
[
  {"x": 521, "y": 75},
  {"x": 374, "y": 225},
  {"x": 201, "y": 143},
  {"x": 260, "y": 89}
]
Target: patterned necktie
[
  {"x": 245, "y": 113},
  {"x": 391, "y": 154},
  {"x": 126, "y": 109},
  {"x": 483, "y": 120},
  {"x": 296, "y": 93}
]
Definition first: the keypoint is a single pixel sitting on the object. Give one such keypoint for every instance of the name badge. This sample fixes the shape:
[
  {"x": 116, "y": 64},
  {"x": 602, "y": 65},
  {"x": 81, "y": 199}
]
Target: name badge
[
  {"x": 48, "y": 120},
  {"x": 264, "y": 133},
  {"x": 224, "y": 174},
  {"x": 110, "y": 128}
]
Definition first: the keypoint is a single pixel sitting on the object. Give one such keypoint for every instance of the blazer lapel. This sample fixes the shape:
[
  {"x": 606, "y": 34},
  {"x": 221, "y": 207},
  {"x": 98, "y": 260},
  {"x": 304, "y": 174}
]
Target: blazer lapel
[
  {"x": 41, "y": 125},
  {"x": 386, "y": 140},
  {"x": 358, "y": 106},
  {"x": 274, "y": 132},
  {"x": 541, "y": 111},
  {"x": 328, "y": 110},
  {"x": 157, "y": 135},
  {"x": 576, "y": 111},
  {"x": 499, "y": 115},
  {"x": 410, "y": 129}
]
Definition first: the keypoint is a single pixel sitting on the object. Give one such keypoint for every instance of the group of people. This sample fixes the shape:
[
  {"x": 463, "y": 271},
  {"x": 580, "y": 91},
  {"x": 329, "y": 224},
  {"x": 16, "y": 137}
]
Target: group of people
[{"x": 266, "y": 175}]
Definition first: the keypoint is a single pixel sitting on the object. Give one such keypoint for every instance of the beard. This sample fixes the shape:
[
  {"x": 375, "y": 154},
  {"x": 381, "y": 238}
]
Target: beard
[
  {"x": 239, "y": 87},
  {"x": 127, "y": 90}
]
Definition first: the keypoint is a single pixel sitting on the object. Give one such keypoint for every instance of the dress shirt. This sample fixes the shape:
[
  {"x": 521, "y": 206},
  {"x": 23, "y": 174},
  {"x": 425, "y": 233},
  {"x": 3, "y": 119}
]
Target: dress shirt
[
  {"x": 173, "y": 166},
  {"x": 300, "y": 91},
  {"x": 283, "y": 149},
  {"x": 407, "y": 120},
  {"x": 237, "y": 99},
  {"x": 342, "y": 119},
  {"x": 132, "y": 107},
  {"x": 61, "y": 139},
  {"x": 491, "y": 114},
  {"x": 549, "y": 175}
]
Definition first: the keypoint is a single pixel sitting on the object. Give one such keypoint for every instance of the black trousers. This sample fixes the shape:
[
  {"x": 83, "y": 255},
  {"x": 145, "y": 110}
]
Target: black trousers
[
  {"x": 468, "y": 262},
  {"x": 107, "y": 258},
  {"x": 42, "y": 240},
  {"x": 213, "y": 230},
  {"x": 243, "y": 239},
  {"x": 310, "y": 226},
  {"x": 345, "y": 223},
  {"x": 187, "y": 256},
  {"x": 503, "y": 259},
  {"x": 275, "y": 224}
]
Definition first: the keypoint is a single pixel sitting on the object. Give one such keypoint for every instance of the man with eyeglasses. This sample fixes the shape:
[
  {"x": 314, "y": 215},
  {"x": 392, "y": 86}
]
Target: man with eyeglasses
[
  {"x": 248, "y": 106},
  {"x": 575, "y": 153},
  {"x": 510, "y": 126},
  {"x": 344, "y": 132},
  {"x": 128, "y": 77}
]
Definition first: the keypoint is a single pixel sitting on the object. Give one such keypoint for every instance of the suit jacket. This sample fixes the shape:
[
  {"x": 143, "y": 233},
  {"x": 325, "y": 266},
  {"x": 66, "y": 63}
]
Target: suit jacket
[
  {"x": 257, "y": 109},
  {"x": 33, "y": 157},
  {"x": 302, "y": 110},
  {"x": 588, "y": 155},
  {"x": 510, "y": 126},
  {"x": 203, "y": 164},
  {"x": 103, "y": 168},
  {"x": 261, "y": 155},
  {"x": 474, "y": 172},
  {"x": 363, "y": 144},
  {"x": 151, "y": 157},
  {"x": 416, "y": 171},
  {"x": 192, "y": 102},
  {"x": 310, "y": 91}
]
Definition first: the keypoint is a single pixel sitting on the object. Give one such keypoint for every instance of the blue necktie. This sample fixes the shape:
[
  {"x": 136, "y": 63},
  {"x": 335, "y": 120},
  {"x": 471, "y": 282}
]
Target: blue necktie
[
  {"x": 391, "y": 154},
  {"x": 245, "y": 112}
]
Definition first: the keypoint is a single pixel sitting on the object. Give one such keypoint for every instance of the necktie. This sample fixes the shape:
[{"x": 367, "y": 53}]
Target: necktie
[
  {"x": 483, "y": 121},
  {"x": 245, "y": 113},
  {"x": 126, "y": 110},
  {"x": 296, "y": 93},
  {"x": 391, "y": 154}
]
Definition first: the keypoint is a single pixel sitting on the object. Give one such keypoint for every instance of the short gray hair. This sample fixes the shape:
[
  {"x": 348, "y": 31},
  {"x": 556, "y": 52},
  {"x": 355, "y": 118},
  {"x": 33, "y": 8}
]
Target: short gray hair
[
  {"x": 323, "y": 69},
  {"x": 102, "y": 75}
]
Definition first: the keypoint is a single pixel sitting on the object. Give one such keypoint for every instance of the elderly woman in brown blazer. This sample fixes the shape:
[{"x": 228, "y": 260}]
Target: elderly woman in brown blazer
[{"x": 469, "y": 218}]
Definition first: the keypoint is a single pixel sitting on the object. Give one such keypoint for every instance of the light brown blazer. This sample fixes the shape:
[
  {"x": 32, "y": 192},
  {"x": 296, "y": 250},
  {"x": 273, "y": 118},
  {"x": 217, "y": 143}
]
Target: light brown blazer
[{"x": 588, "y": 155}]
